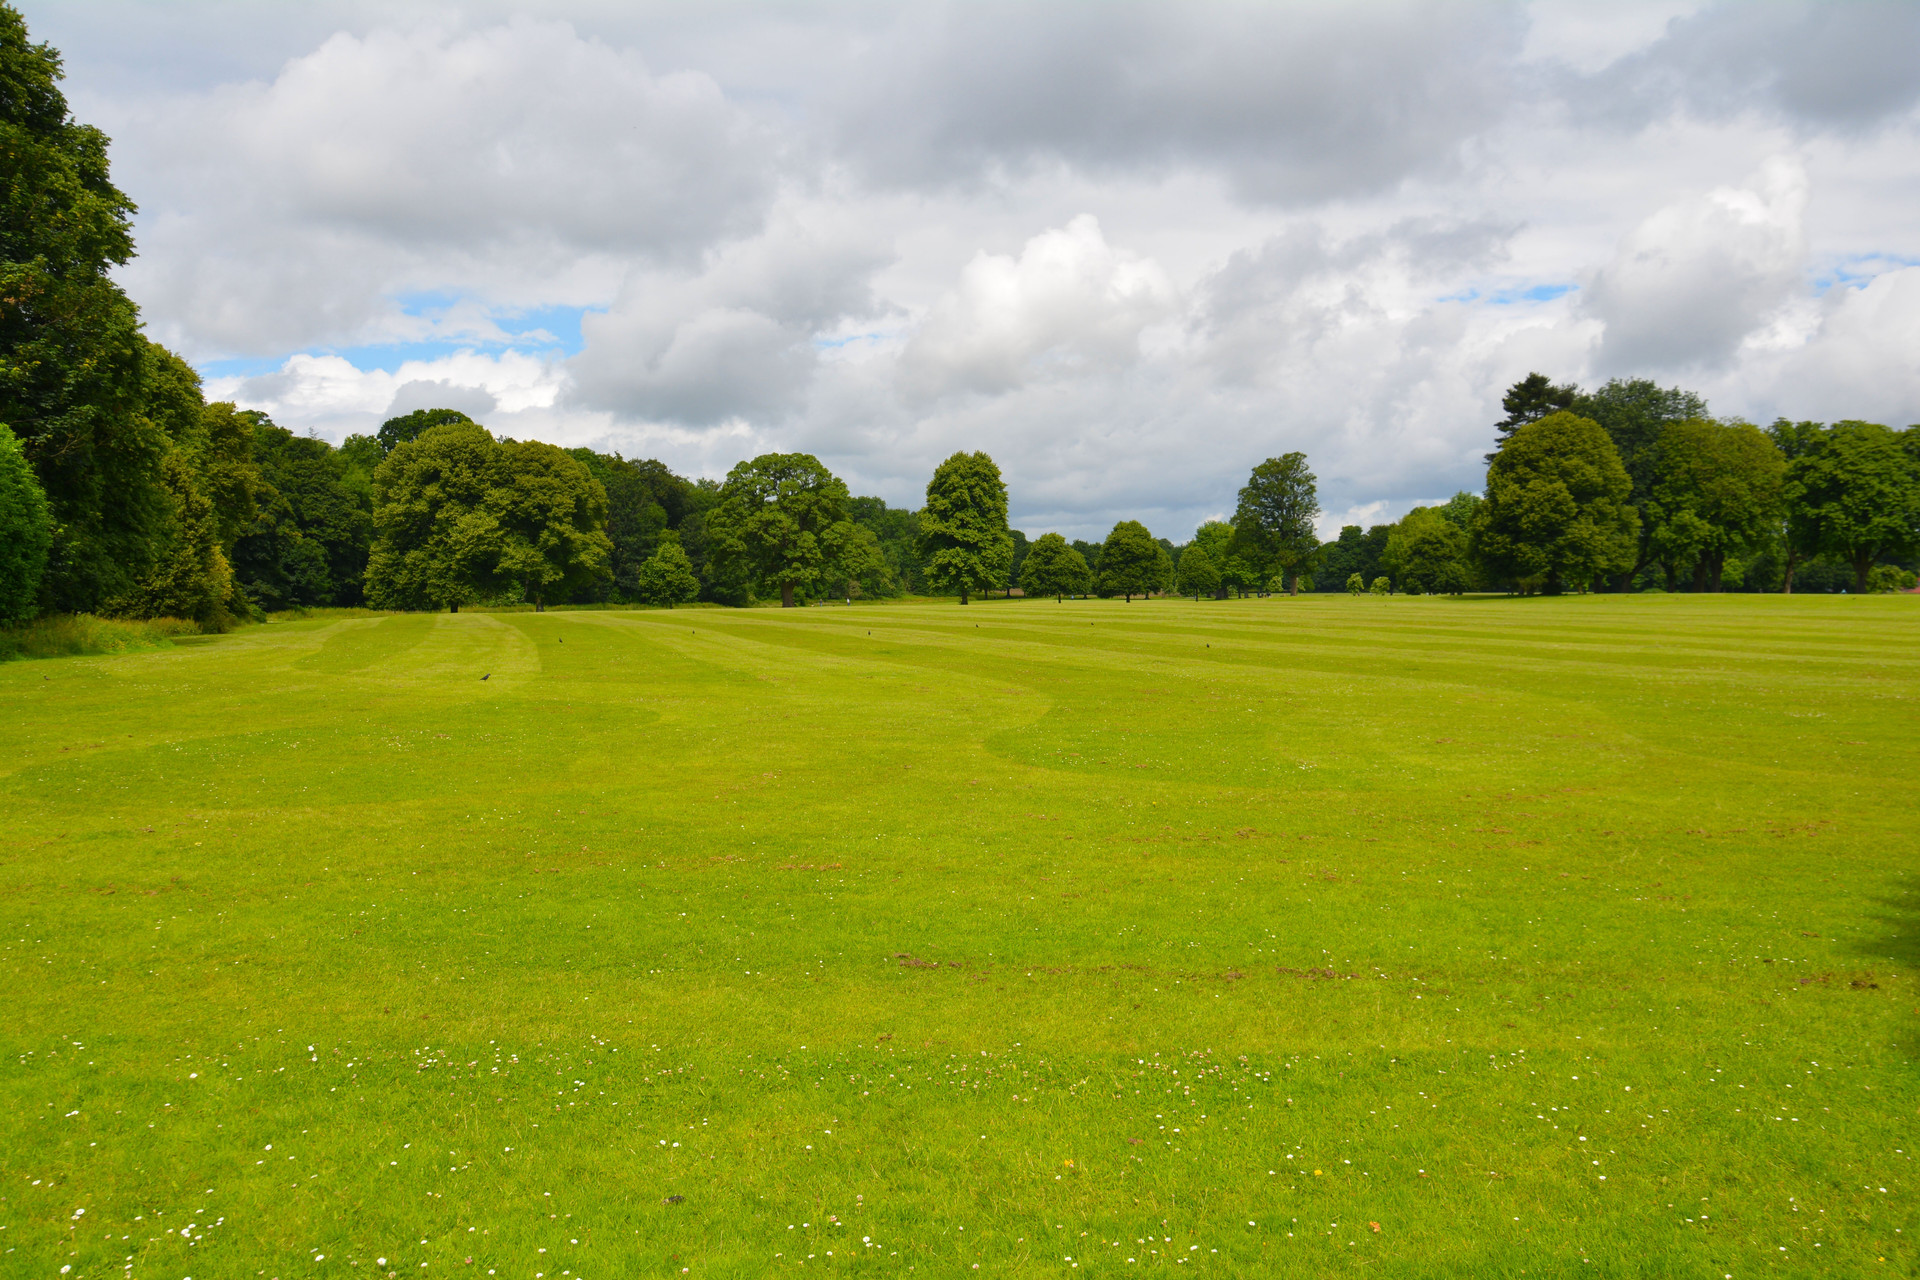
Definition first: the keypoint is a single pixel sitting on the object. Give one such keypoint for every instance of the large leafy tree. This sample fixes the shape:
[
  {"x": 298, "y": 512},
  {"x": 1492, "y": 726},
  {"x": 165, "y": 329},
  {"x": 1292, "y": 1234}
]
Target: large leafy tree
[
  {"x": 1278, "y": 506},
  {"x": 1199, "y": 576},
  {"x": 964, "y": 543},
  {"x": 1854, "y": 493},
  {"x": 308, "y": 545},
  {"x": 435, "y": 541},
  {"x": 1634, "y": 412},
  {"x": 549, "y": 516},
  {"x": 1529, "y": 400},
  {"x": 1130, "y": 561},
  {"x": 25, "y": 532},
  {"x": 1428, "y": 554},
  {"x": 1053, "y": 568},
  {"x": 1557, "y": 510},
  {"x": 781, "y": 521},
  {"x": 1716, "y": 492},
  {"x": 71, "y": 356}
]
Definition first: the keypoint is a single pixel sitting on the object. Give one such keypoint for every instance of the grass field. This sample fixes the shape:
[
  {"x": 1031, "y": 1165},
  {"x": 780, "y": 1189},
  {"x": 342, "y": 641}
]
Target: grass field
[{"x": 1302, "y": 937}]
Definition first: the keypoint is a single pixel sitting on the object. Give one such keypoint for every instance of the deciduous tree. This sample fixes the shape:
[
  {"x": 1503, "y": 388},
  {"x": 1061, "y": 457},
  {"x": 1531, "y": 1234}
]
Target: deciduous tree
[
  {"x": 1278, "y": 506},
  {"x": 1052, "y": 568},
  {"x": 25, "y": 532},
  {"x": 1199, "y": 576},
  {"x": 667, "y": 578},
  {"x": 781, "y": 520},
  {"x": 1716, "y": 492},
  {"x": 1427, "y": 554},
  {"x": 964, "y": 543},
  {"x": 1556, "y": 510},
  {"x": 1855, "y": 494},
  {"x": 1129, "y": 560}
]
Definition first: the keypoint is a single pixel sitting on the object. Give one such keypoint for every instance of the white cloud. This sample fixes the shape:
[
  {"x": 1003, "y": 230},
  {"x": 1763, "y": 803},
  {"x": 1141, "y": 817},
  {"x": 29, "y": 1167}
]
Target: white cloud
[
  {"x": 1696, "y": 278},
  {"x": 1069, "y": 306}
]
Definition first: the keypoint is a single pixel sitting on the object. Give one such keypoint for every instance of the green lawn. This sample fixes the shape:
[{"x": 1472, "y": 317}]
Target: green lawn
[{"x": 1554, "y": 937}]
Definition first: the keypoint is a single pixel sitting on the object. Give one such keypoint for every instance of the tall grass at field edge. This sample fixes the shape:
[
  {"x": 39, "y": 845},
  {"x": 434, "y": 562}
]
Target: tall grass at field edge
[{"x": 65, "y": 635}]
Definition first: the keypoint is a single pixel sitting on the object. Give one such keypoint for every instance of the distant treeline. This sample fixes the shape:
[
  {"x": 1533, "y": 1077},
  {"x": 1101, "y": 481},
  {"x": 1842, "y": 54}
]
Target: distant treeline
[{"x": 124, "y": 494}]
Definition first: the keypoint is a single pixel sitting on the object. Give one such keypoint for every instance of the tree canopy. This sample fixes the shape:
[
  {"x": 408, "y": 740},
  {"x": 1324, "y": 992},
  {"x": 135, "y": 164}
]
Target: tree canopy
[
  {"x": 1529, "y": 400},
  {"x": 1854, "y": 493},
  {"x": 667, "y": 577},
  {"x": 25, "y": 532},
  {"x": 1716, "y": 491},
  {"x": 1199, "y": 576},
  {"x": 964, "y": 543},
  {"x": 1130, "y": 561},
  {"x": 1428, "y": 554},
  {"x": 782, "y": 521},
  {"x": 1278, "y": 506},
  {"x": 1052, "y": 568},
  {"x": 1557, "y": 510}
]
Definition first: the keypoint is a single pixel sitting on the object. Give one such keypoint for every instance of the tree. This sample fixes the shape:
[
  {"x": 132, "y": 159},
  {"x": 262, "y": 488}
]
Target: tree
[
  {"x": 1556, "y": 510},
  {"x": 781, "y": 519},
  {"x": 1459, "y": 510},
  {"x": 1427, "y": 554},
  {"x": 1052, "y": 568},
  {"x": 1129, "y": 560},
  {"x": 1717, "y": 491},
  {"x": 25, "y": 532},
  {"x": 1356, "y": 552},
  {"x": 1215, "y": 539},
  {"x": 1529, "y": 400},
  {"x": 1854, "y": 494},
  {"x": 308, "y": 545},
  {"x": 71, "y": 356},
  {"x": 1633, "y": 412},
  {"x": 550, "y": 514},
  {"x": 435, "y": 542},
  {"x": 1355, "y": 584},
  {"x": 409, "y": 427},
  {"x": 964, "y": 543},
  {"x": 896, "y": 532},
  {"x": 1198, "y": 574},
  {"x": 1020, "y": 548},
  {"x": 1275, "y": 517},
  {"x": 192, "y": 578},
  {"x": 667, "y": 578}
]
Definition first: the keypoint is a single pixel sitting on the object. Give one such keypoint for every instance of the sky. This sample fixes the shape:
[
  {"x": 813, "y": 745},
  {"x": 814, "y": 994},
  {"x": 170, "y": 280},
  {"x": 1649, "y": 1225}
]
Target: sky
[{"x": 1128, "y": 249}]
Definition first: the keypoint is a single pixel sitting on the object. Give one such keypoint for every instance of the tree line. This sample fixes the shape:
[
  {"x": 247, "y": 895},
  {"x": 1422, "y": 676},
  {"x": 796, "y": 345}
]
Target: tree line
[{"x": 124, "y": 493}]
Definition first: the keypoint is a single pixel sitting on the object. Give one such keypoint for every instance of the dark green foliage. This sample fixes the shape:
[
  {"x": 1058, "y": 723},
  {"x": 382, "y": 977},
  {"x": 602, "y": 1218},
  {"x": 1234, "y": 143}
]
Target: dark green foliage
[
  {"x": 408, "y": 427},
  {"x": 71, "y": 376},
  {"x": 308, "y": 545},
  {"x": 1052, "y": 568},
  {"x": 1130, "y": 561},
  {"x": 667, "y": 578},
  {"x": 1633, "y": 412},
  {"x": 190, "y": 578},
  {"x": 644, "y": 500},
  {"x": 964, "y": 544},
  {"x": 25, "y": 532},
  {"x": 1274, "y": 520},
  {"x": 896, "y": 533},
  {"x": 1529, "y": 400},
  {"x": 1354, "y": 552},
  {"x": 1853, "y": 492},
  {"x": 550, "y": 515},
  {"x": 1427, "y": 554},
  {"x": 1199, "y": 576},
  {"x": 1716, "y": 492},
  {"x": 1089, "y": 552},
  {"x": 432, "y": 532},
  {"x": 1020, "y": 548},
  {"x": 362, "y": 454},
  {"x": 781, "y": 523},
  {"x": 1557, "y": 511}
]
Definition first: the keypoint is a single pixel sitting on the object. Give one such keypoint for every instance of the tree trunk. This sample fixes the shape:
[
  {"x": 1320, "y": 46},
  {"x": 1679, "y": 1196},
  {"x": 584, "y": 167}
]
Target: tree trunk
[
  {"x": 1862, "y": 566},
  {"x": 1672, "y": 583},
  {"x": 1716, "y": 571},
  {"x": 1793, "y": 562},
  {"x": 1699, "y": 574},
  {"x": 786, "y": 595},
  {"x": 454, "y": 607},
  {"x": 963, "y": 595}
]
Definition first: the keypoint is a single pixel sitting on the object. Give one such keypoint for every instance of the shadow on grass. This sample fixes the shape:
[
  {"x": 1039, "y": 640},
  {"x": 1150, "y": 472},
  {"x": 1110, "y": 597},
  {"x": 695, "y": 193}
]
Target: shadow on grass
[{"x": 1896, "y": 941}]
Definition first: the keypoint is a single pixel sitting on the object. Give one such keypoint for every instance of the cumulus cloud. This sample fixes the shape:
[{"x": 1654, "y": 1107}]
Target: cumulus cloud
[
  {"x": 1692, "y": 281},
  {"x": 1128, "y": 250},
  {"x": 1069, "y": 305},
  {"x": 1293, "y": 102},
  {"x": 733, "y": 339},
  {"x": 1816, "y": 65},
  {"x": 518, "y": 158}
]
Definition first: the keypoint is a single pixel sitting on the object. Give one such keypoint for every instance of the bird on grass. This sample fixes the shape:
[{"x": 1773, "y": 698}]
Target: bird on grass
[{"x": 487, "y": 676}]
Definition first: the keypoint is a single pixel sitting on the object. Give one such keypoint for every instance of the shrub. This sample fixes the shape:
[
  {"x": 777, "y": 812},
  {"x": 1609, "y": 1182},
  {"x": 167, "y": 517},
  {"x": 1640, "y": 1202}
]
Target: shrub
[
  {"x": 1382, "y": 586},
  {"x": 63, "y": 635},
  {"x": 1355, "y": 584}
]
